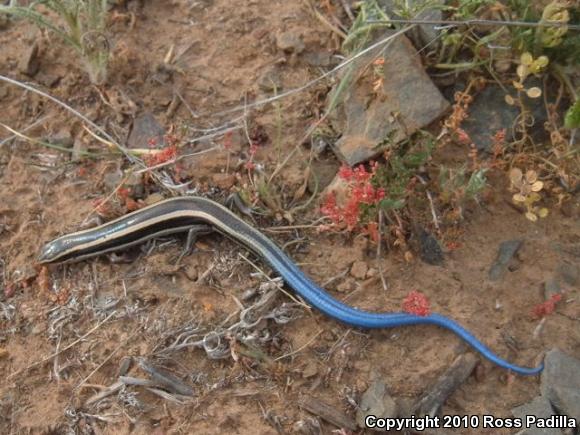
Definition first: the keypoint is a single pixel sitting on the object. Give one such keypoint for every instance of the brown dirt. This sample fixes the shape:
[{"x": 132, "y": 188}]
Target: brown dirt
[{"x": 43, "y": 195}]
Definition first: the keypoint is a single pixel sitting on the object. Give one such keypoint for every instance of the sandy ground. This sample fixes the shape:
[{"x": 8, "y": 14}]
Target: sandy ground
[{"x": 224, "y": 51}]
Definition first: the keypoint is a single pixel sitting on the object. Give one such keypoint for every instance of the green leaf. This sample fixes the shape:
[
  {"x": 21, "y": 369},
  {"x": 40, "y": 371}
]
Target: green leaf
[
  {"x": 572, "y": 119},
  {"x": 392, "y": 204},
  {"x": 476, "y": 183}
]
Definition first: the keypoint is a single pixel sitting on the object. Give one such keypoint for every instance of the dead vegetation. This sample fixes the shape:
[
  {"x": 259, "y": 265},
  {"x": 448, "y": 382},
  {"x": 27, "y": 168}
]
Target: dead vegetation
[{"x": 237, "y": 104}]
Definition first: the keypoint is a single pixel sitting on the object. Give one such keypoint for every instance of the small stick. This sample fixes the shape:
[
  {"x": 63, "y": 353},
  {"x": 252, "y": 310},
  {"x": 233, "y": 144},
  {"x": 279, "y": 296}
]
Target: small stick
[
  {"x": 301, "y": 348},
  {"x": 430, "y": 198},
  {"x": 347, "y": 9},
  {"x": 167, "y": 380},
  {"x": 171, "y": 397},
  {"x": 105, "y": 393},
  {"x": 73, "y": 111},
  {"x": 105, "y": 360},
  {"x": 327, "y": 412},
  {"x": 64, "y": 349},
  {"x": 479, "y": 22},
  {"x": 432, "y": 400},
  {"x": 129, "y": 380},
  {"x": 172, "y": 161},
  {"x": 30, "y": 127}
]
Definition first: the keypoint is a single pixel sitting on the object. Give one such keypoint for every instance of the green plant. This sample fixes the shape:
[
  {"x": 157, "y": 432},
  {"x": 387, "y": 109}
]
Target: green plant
[
  {"x": 396, "y": 176},
  {"x": 84, "y": 30},
  {"x": 457, "y": 187},
  {"x": 573, "y": 116}
]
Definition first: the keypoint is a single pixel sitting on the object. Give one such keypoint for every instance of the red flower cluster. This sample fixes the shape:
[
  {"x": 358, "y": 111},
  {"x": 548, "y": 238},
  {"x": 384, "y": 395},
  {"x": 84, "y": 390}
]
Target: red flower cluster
[
  {"x": 416, "y": 303},
  {"x": 546, "y": 308},
  {"x": 163, "y": 156},
  {"x": 361, "y": 191}
]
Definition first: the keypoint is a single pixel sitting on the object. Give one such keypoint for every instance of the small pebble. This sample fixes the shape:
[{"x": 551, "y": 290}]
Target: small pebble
[
  {"x": 569, "y": 273},
  {"x": 359, "y": 269},
  {"x": 29, "y": 62},
  {"x": 290, "y": 42},
  {"x": 346, "y": 286},
  {"x": 310, "y": 370},
  {"x": 153, "y": 198},
  {"x": 551, "y": 288}
]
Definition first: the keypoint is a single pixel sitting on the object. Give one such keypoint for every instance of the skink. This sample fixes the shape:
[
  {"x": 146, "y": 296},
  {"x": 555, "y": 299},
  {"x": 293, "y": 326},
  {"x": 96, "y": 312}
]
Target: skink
[{"x": 180, "y": 214}]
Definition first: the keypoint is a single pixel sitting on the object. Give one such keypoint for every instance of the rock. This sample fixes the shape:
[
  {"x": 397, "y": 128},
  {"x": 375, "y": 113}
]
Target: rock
[
  {"x": 359, "y": 269},
  {"x": 47, "y": 79},
  {"x": 569, "y": 273},
  {"x": 506, "y": 252},
  {"x": 113, "y": 179},
  {"x": 134, "y": 180},
  {"x": 4, "y": 93},
  {"x": 539, "y": 407},
  {"x": 427, "y": 33},
  {"x": 270, "y": 81},
  {"x": 79, "y": 149},
  {"x": 323, "y": 173},
  {"x": 4, "y": 21},
  {"x": 153, "y": 198},
  {"x": 560, "y": 383},
  {"x": 372, "y": 120},
  {"x": 347, "y": 286},
  {"x": 224, "y": 181},
  {"x": 63, "y": 139},
  {"x": 338, "y": 187},
  {"x": 319, "y": 59},
  {"x": 489, "y": 113},
  {"x": 430, "y": 249},
  {"x": 289, "y": 42},
  {"x": 310, "y": 370},
  {"x": 376, "y": 401},
  {"x": 29, "y": 63},
  {"x": 551, "y": 288},
  {"x": 146, "y": 132}
]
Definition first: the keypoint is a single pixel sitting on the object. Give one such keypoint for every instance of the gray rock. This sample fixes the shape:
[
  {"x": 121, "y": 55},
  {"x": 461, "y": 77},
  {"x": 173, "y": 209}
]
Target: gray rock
[
  {"x": 78, "y": 150},
  {"x": 539, "y": 407},
  {"x": 63, "y": 138},
  {"x": 431, "y": 252},
  {"x": 319, "y": 59},
  {"x": 4, "y": 21},
  {"x": 270, "y": 81},
  {"x": 489, "y": 113},
  {"x": 4, "y": 93},
  {"x": 376, "y": 401},
  {"x": 507, "y": 250},
  {"x": 428, "y": 33},
  {"x": 29, "y": 63},
  {"x": 146, "y": 131},
  {"x": 289, "y": 42},
  {"x": 48, "y": 79},
  {"x": 569, "y": 273},
  {"x": 323, "y": 173},
  {"x": 551, "y": 288},
  {"x": 374, "y": 120},
  {"x": 561, "y": 383},
  {"x": 113, "y": 179}
]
